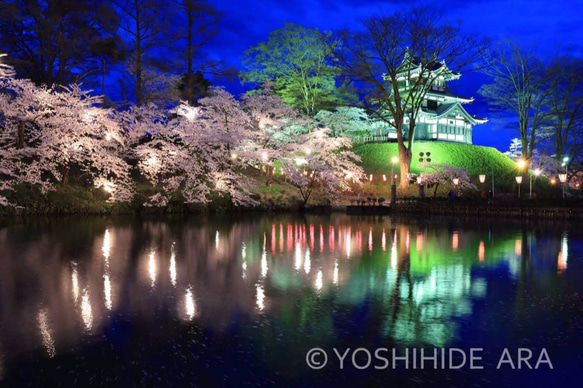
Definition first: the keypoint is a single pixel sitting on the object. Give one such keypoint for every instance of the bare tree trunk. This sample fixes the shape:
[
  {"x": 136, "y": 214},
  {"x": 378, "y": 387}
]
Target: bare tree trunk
[
  {"x": 21, "y": 126},
  {"x": 405, "y": 164}
]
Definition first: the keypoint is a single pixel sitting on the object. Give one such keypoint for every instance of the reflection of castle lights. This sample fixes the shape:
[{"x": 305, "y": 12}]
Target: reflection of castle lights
[
  {"x": 298, "y": 261},
  {"x": 370, "y": 239},
  {"x": 86, "y": 312},
  {"x": 217, "y": 239},
  {"x": 455, "y": 241},
  {"x": 260, "y": 297},
  {"x": 518, "y": 247},
  {"x": 45, "y": 332},
  {"x": 173, "y": 266},
  {"x": 481, "y": 251},
  {"x": 244, "y": 270},
  {"x": 189, "y": 306},
  {"x": 152, "y": 267},
  {"x": 319, "y": 281},
  {"x": 407, "y": 242},
  {"x": 307, "y": 262},
  {"x": 335, "y": 278},
  {"x": 243, "y": 250}
]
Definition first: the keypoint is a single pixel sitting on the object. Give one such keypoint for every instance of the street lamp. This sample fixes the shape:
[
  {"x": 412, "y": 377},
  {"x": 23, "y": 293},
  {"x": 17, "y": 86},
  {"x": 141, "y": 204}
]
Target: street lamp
[
  {"x": 519, "y": 181},
  {"x": 537, "y": 173},
  {"x": 482, "y": 178},
  {"x": 456, "y": 181},
  {"x": 394, "y": 160},
  {"x": 563, "y": 179}
]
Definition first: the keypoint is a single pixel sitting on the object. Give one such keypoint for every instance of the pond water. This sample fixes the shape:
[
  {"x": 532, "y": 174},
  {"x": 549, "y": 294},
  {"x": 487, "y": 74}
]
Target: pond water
[{"x": 241, "y": 301}]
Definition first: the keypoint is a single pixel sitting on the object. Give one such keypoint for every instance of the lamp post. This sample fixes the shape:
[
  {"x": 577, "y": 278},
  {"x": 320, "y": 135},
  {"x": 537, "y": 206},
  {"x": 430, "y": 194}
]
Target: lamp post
[
  {"x": 563, "y": 179},
  {"x": 394, "y": 160},
  {"x": 519, "y": 181},
  {"x": 537, "y": 173},
  {"x": 482, "y": 178}
]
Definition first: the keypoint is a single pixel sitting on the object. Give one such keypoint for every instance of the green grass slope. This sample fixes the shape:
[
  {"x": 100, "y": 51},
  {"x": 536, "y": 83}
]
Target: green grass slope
[{"x": 476, "y": 160}]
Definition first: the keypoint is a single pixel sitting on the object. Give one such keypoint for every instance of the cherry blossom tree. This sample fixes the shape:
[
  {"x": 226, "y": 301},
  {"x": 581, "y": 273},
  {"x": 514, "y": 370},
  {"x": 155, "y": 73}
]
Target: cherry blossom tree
[
  {"x": 322, "y": 164},
  {"x": 47, "y": 132},
  {"x": 187, "y": 150},
  {"x": 445, "y": 174}
]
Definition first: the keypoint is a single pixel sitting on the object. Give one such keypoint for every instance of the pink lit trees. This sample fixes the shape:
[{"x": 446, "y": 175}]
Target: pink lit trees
[{"x": 47, "y": 132}]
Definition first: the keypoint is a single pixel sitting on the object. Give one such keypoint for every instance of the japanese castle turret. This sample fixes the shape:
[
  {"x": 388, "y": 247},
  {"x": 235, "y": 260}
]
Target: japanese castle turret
[{"x": 441, "y": 115}]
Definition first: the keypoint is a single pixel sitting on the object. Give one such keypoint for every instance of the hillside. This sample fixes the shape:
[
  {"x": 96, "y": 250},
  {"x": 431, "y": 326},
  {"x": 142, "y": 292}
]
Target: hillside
[{"x": 376, "y": 159}]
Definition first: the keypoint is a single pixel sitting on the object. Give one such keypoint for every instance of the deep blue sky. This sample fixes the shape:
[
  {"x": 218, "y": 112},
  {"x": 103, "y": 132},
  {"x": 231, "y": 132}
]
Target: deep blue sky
[{"x": 550, "y": 24}]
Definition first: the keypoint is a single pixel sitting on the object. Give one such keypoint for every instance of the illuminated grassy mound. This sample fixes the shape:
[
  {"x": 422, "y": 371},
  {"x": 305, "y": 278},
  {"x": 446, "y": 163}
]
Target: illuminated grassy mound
[{"x": 376, "y": 159}]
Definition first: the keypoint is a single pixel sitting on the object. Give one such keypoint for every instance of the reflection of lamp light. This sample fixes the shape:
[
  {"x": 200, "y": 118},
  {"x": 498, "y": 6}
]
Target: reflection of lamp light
[
  {"x": 482, "y": 178},
  {"x": 370, "y": 178},
  {"x": 456, "y": 181},
  {"x": 419, "y": 180},
  {"x": 384, "y": 178}
]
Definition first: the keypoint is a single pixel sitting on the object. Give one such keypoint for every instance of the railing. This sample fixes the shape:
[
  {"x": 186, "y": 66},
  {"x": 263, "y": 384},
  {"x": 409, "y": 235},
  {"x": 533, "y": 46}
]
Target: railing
[{"x": 371, "y": 139}]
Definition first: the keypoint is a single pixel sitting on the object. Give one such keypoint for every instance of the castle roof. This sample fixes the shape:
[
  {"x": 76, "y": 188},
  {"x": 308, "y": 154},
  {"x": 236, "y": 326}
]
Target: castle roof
[{"x": 445, "y": 109}]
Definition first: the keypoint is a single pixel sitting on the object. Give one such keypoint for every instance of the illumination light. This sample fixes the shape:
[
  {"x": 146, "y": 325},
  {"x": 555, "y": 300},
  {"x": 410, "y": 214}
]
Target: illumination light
[
  {"x": 563, "y": 178},
  {"x": 482, "y": 178},
  {"x": 537, "y": 172},
  {"x": 519, "y": 179},
  {"x": 521, "y": 163},
  {"x": 456, "y": 181},
  {"x": 394, "y": 160}
]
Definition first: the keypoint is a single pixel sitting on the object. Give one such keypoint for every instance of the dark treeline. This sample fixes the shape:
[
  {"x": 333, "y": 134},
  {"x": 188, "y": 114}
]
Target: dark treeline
[{"x": 143, "y": 48}]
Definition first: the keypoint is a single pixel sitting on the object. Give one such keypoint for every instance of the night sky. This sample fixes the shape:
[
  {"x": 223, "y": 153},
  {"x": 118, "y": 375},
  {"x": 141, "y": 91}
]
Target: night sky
[{"x": 550, "y": 24}]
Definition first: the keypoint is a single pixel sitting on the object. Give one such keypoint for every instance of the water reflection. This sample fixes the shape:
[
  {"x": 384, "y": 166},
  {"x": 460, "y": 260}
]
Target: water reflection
[
  {"x": 319, "y": 271},
  {"x": 45, "y": 333}
]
